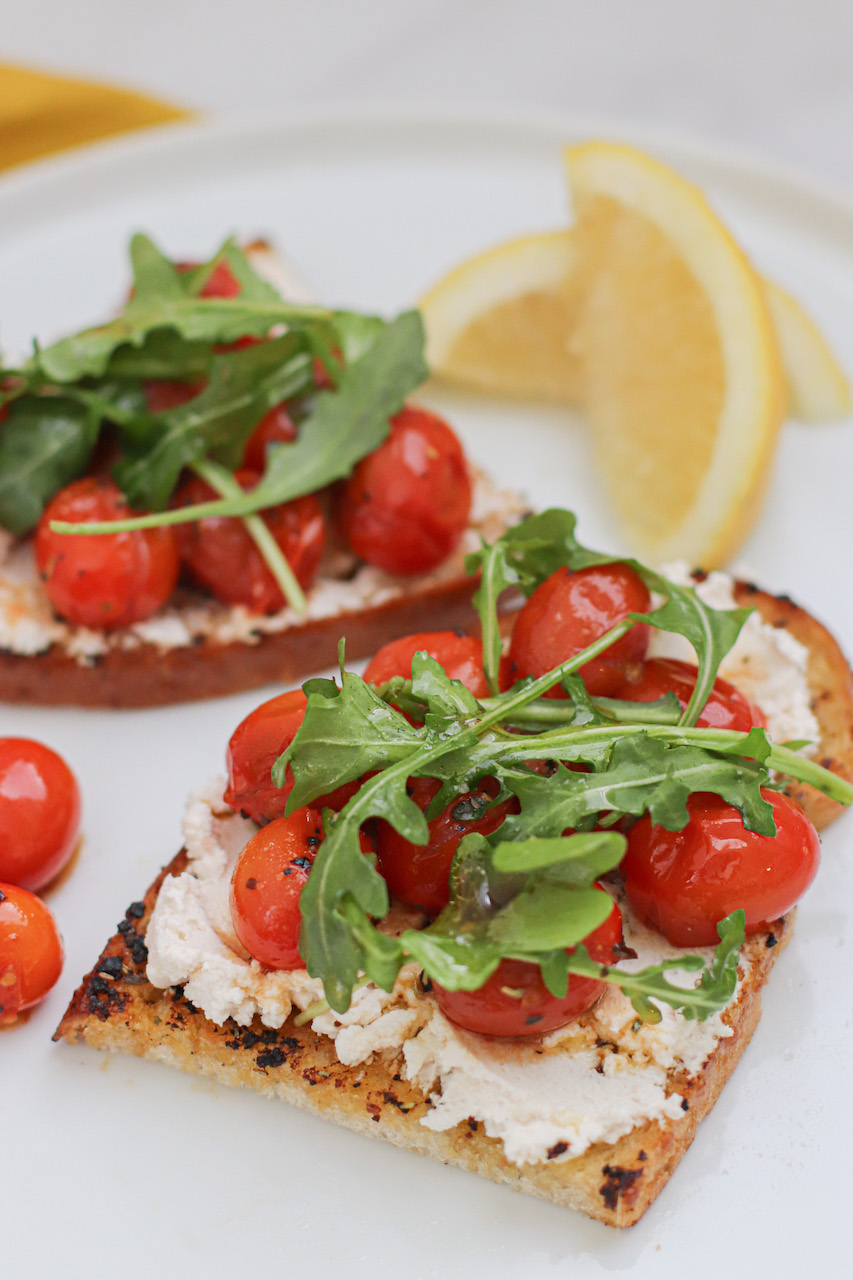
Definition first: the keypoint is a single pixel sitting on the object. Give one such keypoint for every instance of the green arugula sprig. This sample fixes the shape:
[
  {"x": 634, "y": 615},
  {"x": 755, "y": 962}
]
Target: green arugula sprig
[
  {"x": 637, "y": 760},
  {"x": 60, "y": 400}
]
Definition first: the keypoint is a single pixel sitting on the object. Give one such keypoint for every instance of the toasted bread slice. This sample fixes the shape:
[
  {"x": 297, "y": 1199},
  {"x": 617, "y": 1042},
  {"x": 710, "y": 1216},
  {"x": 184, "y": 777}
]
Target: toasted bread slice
[
  {"x": 115, "y": 1008},
  {"x": 207, "y": 650}
]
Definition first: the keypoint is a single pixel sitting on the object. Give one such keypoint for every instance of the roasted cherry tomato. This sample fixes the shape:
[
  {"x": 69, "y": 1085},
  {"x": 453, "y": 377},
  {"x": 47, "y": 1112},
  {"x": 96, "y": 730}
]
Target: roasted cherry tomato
[
  {"x": 420, "y": 873},
  {"x": 405, "y": 506},
  {"x": 221, "y": 556},
  {"x": 725, "y": 708},
  {"x": 163, "y": 395},
  {"x": 39, "y": 813},
  {"x": 30, "y": 951},
  {"x": 275, "y": 427},
  {"x": 569, "y": 611},
  {"x": 266, "y": 886},
  {"x": 222, "y": 283},
  {"x": 255, "y": 745},
  {"x": 515, "y": 1000},
  {"x": 460, "y": 655},
  {"x": 104, "y": 580},
  {"x": 683, "y": 882}
]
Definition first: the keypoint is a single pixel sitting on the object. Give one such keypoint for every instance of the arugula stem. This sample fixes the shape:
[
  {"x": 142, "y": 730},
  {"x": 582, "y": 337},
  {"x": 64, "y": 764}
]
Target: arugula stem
[
  {"x": 554, "y": 711},
  {"x": 220, "y": 479}
]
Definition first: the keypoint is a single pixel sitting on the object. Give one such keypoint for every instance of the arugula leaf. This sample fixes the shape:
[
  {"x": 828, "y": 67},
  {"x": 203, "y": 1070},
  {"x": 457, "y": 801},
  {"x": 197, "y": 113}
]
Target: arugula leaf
[
  {"x": 46, "y": 442},
  {"x": 216, "y": 423}
]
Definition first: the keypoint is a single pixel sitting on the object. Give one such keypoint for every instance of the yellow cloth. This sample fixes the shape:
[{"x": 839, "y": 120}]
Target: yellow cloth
[{"x": 42, "y": 113}]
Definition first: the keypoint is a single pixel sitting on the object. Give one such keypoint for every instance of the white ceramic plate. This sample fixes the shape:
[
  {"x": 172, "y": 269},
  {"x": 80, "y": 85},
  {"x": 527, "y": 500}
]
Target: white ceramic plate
[{"x": 119, "y": 1167}]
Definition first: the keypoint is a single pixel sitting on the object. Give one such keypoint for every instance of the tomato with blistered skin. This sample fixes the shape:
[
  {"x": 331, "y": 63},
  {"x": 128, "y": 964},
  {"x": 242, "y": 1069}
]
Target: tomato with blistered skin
[
  {"x": 267, "y": 883},
  {"x": 515, "y": 1002},
  {"x": 255, "y": 745},
  {"x": 31, "y": 952},
  {"x": 726, "y": 708},
  {"x": 39, "y": 813},
  {"x": 461, "y": 657},
  {"x": 275, "y": 427},
  {"x": 569, "y": 611},
  {"x": 221, "y": 556},
  {"x": 109, "y": 580},
  {"x": 683, "y": 882},
  {"x": 419, "y": 874},
  {"x": 406, "y": 505}
]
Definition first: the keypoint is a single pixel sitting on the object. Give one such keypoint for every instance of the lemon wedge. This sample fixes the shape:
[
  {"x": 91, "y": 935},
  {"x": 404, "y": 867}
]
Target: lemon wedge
[
  {"x": 818, "y": 390},
  {"x": 503, "y": 321},
  {"x": 683, "y": 382}
]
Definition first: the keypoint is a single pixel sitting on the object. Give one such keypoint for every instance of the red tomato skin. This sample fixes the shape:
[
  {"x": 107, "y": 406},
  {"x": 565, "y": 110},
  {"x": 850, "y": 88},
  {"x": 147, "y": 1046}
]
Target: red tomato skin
[
  {"x": 39, "y": 813},
  {"x": 406, "y": 505},
  {"x": 726, "y": 708},
  {"x": 683, "y": 882},
  {"x": 570, "y": 610},
  {"x": 255, "y": 745},
  {"x": 275, "y": 427},
  {"x": 419, "y": 874},
  {"x": 31, "y": 951},
  {"x": 267, "y": 883},
  {"x": 221, "y": 556},
  {"x": 490, "y": 1011},
  {"x": 460, "y": 655},
  {"x": 109, "y": 580},
  {"x": 222, "y": 283},
  {"x": 162, "y": 395}
]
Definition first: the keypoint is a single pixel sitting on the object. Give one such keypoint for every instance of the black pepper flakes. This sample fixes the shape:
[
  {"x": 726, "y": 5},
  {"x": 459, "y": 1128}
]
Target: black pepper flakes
[
  {"x": 558, "y": 1149},
  {"x": 771, "y": 940},
  {"x": 685, "y": 1105},
  {"x": 251, "y": 883},
  {"x": 303, "y": 863}
]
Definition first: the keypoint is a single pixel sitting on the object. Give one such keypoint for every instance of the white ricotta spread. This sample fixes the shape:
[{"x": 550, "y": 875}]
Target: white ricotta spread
[
  {"x": 767, "y": 664},
  {"x": 28, "y": 625}
]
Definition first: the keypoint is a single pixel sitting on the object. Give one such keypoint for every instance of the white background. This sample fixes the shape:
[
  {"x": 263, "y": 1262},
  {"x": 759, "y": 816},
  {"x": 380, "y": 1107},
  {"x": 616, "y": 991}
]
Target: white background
[{"x": 771, "y": 76}]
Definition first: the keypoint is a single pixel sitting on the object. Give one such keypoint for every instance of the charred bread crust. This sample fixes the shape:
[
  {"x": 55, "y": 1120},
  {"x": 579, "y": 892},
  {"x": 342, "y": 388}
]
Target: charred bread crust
[
  {"x": 117, "y": 1009},
  {"x": 148, "y": 676},
  {"x": 831, "y": 687}
]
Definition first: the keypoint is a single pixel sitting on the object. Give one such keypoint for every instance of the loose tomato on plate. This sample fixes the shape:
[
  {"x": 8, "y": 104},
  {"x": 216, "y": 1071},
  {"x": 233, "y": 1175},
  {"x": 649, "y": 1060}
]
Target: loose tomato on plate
[
  {"x": 406, "y": 505},
  {"x": 515, "y": 1001},
  {"x": 683, "y": 882},
  {"x": 568, "y": 612},
  {"x": 255, "y": 745},
  {"x": 30, "y": 951},
  {"x": 39, "y": 813},
  {"x": 107, "y": 581}
]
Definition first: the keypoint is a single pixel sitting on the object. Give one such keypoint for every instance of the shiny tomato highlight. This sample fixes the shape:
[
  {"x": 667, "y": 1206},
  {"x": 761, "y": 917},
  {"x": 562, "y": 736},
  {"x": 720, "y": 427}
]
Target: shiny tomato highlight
[
  {"x": 515, "y": 1001},
  {"x": 39, "y": 813},
  {"x": 406, "y": 505},
  {"x": 106, "y": 580},
  {"x": 571, "y": 610},
  {"x": 31, "y": 952},
  {"x": 683, "y": 882}
]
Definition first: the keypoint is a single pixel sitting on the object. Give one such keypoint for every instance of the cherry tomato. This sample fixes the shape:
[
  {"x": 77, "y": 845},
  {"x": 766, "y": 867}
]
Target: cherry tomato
[
  {"x": 460, "y": 655},
  {"x": 39, "y": 813},
  {"x": 105, "y": 580},
  {"x": 569, "y": 611},
  {"x": 30, "y": 951},
  {"x": 266, "y": 886},
  {"x": 406, "y": 505},
  {"x": 276, "y": 427},
  {"x": 221, "y": 556},
  {"x": 222, "y": 283},
  {"x": 515, "y": 1001},
  {"x": 255, "y": 745},
  {"x": 419, "y": 873},
  {"x": 163, "y": 395},
  {"x": 725, "y": 708},
  {"x": 683, "y": 882}
]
